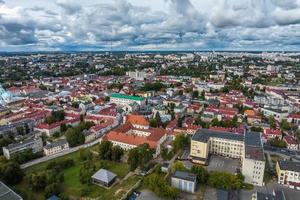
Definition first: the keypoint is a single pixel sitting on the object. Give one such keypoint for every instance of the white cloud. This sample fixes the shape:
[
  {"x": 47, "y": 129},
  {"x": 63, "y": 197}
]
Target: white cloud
[{"x": 167, "y": 24}]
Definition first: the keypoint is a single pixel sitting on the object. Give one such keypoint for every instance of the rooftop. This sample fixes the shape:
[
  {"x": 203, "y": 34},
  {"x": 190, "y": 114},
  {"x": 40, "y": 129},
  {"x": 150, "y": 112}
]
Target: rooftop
[
  {"x": 8, "y": 194},
  {"x": 122, "y": 96},
  {"x": 185, "y": 176},
  {"x": 202, "y": 135},
  {"x": 104, "y": 175},
  {"x": 289, "y": 166}
]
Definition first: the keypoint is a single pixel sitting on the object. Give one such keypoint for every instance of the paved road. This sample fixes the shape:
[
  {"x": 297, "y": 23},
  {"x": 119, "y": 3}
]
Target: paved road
[{"x": 71, "y": 150}]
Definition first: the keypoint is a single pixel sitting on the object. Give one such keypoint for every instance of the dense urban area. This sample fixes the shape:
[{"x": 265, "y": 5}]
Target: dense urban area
[{"x": 152, "y": 125}]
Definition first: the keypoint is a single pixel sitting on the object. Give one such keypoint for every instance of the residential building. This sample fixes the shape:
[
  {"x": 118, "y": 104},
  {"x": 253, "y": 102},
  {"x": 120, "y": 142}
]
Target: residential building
[
  {"x": 56, "y": 147},
  {"x": 276, "y": 113},
  {"x": 292, "y": 144},
  {"x": 206, "y": 141},
  {"x": 288, "y": 173},
  {"x": 184, "y": 181},
  {"x": 121, "y": 99},
  {"x": 137, "y": 75},
  {"x": 253, "y": 160},
  {"x": 247, "y": 147},
  {"x": 35, "y": 144}
]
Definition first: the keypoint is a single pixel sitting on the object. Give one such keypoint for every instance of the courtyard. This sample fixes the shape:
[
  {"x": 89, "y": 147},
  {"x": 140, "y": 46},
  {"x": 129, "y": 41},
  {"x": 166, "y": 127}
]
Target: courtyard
[{"x": 219, "y": 163}]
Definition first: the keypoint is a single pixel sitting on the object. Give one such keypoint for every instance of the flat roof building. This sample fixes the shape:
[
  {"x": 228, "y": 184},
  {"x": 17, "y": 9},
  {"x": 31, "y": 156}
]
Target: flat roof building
[
  {"x": 247, "y": 147},
  {"x": 184, "y": 181},
  {"x": 8, "y": 194}
]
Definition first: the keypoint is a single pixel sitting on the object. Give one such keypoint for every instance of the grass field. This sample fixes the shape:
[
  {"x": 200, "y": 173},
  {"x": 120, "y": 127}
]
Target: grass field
[{"x": 73, "y": 187}]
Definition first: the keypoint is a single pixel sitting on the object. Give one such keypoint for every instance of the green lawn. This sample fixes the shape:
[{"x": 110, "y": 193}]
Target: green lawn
[{"x": 72, "y": 185}]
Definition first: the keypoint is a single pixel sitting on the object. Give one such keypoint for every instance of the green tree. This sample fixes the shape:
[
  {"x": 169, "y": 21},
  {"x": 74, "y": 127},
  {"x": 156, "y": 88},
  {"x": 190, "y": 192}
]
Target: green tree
[
  {"x": 52, "y": 189},
  {"x": 178, "y": 165},
  {"x": 272, "y": 122},
  {"x": 195, "y": 94},
  {"x": 180, "y": 142},
  {"x": 86, "y": 172},
  {"x": 38, "y": 180},
  {"x": 140, "y": 157},
  {"x": 11, "y": 172},
  {"x": 133, "y": 158},
  {"x": 284, "y": 125},
  {"x": 158, "y": 185},
  {"x": 201, "y": 172},
  {"x": 224, "y": 180},
  {"x": 74, "y": 137},
  {"x": 153, "y": 123},
  {"x": 85, "y": 154},
  {"x": 116, "y": 153},
  {"x": 158, "y": 119},
  {"x": 105, "y": 150}
]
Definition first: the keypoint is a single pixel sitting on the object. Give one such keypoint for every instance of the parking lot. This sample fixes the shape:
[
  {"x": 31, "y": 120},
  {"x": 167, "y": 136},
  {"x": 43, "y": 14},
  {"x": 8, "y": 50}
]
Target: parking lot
[{"x": 218, "y": 163}]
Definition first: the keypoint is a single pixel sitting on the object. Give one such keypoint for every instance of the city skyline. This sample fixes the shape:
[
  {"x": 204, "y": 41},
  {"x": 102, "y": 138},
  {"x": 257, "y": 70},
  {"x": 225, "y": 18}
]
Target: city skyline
[{"x": 132, "y": 25}]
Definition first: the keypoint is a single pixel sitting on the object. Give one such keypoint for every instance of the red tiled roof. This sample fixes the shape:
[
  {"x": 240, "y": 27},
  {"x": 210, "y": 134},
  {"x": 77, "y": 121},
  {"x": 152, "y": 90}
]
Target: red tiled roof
[
  {"x": 294, "y": 116},
  {"x": 270, "y": 131},
  {"x": 137, "y": 119},
  {"x": 290, "y": 140}
]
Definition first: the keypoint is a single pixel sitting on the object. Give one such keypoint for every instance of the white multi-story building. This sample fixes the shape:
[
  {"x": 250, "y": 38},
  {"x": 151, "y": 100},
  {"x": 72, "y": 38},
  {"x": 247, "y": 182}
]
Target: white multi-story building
[
  {"x": 137, "y": 75},
  {"x": 276, "y": 113},
  {"x": 35, "y": 144},
  {"x": 56, "y": 147},
  {"x": 247, "y": 147},
  {"x": 288, "y": 173},
  {"x": 125, "y": 100},
  {"x": 253, "y": 161}
]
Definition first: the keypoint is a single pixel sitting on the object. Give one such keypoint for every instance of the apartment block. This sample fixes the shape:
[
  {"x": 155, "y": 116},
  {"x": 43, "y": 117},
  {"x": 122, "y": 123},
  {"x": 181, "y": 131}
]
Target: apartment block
[
  {"x": 56, "y": 147},
  {"x": 35, "y": 144},
  {"x": 247, "y": 147},
  {"x": 288, "y": 173}
]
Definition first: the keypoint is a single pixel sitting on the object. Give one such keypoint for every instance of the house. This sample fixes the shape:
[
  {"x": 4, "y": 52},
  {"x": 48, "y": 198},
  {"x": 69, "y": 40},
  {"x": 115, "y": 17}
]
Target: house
[
  {"x": 8, "y": 194},
  {"x": 276, "y": 113},
  {"x": 89, "y": 136},
  {"x": 56, "y": 147},
  {"x": 270, "y": 133},
  {"x": 292, "y": 144},
  {"x": 50, "y": 129},
  {"x": 104, "y": 177},
  {"x": 294, "y": 118},
  {"x": 288, "y": 173},
  {"x": 184, "y": 181},
  {"x": 35, "y": 144}
]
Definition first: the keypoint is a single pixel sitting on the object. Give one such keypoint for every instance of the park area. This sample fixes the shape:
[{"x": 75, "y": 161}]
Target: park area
[{"x": 71, "y": 185}]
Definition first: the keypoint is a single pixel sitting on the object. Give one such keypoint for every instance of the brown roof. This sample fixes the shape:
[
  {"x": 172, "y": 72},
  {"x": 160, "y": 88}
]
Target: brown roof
[{"x": 137, "y": 119}]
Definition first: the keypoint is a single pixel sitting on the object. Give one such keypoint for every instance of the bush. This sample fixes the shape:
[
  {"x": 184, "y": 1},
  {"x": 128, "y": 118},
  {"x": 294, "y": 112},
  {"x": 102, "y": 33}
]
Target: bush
[
  {"x": 158, "y": 185},
  {"x": 52, "y": 189},
  {"x": 59, "y": 166},
  {"x": 224, "y": 180}
]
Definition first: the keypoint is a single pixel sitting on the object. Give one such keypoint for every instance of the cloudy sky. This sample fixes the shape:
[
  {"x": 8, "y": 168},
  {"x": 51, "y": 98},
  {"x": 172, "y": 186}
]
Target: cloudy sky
[{"x": 34, "y": 25}]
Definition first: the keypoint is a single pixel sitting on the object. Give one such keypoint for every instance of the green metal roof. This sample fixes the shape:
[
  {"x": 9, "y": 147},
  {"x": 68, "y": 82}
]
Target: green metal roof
[{"x": 122, "y": 96}]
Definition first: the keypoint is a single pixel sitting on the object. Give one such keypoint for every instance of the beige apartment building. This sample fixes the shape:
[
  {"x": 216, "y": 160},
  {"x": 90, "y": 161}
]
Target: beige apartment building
[
  {"x": 247, "y": 147},
  {"x": 288, "y": 173}
]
